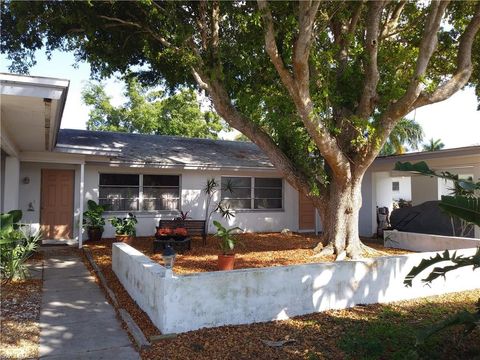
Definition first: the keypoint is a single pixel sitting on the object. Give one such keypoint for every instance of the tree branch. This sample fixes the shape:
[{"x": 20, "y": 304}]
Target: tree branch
[
  {"x": 389, "y": 28},
  {"x": 227, "y": 111},
  {"x": 369, "y": 94},
  {"x": 426, "y": 49},
  {"x": 464, "y": 66},
  {"x": 325, "y": 142},
  {"x": 272, "y": 50},
  {"x": 301, "y": 50},
  {"x": 400, "y": 108},
  {"x": 159, "y": 38}
]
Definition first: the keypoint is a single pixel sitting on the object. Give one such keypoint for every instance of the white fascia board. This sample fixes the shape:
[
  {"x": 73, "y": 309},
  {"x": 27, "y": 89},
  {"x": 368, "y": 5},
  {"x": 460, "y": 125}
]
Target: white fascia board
[
  {"x": 52, "y": 157},
  {"x": 118, "y": 163},
  {"x": 34, "y": 80},
  {"x": 30, "y": 90}
]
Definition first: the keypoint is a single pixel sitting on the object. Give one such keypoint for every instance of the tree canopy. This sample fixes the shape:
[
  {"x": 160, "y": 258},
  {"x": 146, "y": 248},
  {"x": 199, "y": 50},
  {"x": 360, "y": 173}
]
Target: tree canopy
[
  {"x": 433, "y": 145},
  {"x": 407, "y": 133},
  {"x": 151, "y": 112},
  {"x": 318, "y": 86}
]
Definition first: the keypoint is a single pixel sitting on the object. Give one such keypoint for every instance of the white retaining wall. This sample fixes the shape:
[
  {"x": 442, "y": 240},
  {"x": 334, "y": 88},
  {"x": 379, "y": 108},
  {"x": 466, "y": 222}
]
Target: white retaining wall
[
  {"x": 426, "y": 242},
  {"x": 182, "y": 303}
]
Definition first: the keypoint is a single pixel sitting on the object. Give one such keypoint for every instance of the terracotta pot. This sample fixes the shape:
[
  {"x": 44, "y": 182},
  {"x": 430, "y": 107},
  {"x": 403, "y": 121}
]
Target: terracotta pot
[
  {"x": 94, "y": 234},
  {"x": 226, "y": 262},
  {"x": 127, "y": 239}
]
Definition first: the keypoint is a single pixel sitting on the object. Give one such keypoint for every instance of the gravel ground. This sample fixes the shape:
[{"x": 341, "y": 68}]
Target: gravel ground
[{"x": 20, "y": 312}]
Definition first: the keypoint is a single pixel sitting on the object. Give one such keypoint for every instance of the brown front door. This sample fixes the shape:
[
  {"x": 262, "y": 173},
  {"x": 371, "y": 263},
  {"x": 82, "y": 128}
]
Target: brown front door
[
  {"x": 306, "y": 214},
  {"x": 56, "y": 215}
]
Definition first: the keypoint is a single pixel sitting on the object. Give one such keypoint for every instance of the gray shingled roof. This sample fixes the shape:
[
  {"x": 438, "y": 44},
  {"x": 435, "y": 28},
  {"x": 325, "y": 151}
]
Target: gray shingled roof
[{"x": 162, "y": 150}]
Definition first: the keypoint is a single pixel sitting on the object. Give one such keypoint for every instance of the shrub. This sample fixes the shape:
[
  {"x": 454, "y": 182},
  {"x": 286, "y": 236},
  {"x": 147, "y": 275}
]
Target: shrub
[{"x": 17, "y": 244}]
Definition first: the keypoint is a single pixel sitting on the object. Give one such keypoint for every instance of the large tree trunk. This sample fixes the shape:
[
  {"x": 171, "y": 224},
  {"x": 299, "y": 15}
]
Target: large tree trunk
[{"x": 340, "y": 216}]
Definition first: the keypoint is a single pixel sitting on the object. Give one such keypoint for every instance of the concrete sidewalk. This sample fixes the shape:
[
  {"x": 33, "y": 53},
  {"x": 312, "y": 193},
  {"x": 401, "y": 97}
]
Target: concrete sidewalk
[{"x": 76, "y": 321}]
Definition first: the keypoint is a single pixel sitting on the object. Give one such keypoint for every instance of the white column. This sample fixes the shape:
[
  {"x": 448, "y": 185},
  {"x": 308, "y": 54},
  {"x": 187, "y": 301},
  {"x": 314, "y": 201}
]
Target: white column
[
  {"x": 12, "y": 183},
  {"x": 82, "y": 200}
]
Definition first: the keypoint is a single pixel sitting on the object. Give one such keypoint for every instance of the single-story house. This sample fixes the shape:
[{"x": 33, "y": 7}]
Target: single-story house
[{"x": 50, "y": 173}]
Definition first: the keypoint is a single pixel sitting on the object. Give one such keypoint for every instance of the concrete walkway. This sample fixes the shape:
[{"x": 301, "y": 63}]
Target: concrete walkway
[{"x": 76, "y": 321}]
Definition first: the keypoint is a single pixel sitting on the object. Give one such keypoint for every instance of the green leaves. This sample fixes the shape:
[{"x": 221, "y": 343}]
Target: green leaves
[
  {"x": 150, "y": 111},
  {"x": 227, "y": 240},
  {"x": 420, "y": 167},
  {"x": 465, "y": 208},
  {"x": 469, "y": 320},
  {"x": 16, "y": 246},
  {"x": 126, "y": 225}
]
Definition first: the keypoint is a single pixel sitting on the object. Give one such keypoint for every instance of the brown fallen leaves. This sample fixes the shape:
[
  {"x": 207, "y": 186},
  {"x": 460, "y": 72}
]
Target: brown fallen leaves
[
  {"x": 257, "y": 250},
  {"x": 315, "y": 335},
  {"x": 20, "y": 312}
]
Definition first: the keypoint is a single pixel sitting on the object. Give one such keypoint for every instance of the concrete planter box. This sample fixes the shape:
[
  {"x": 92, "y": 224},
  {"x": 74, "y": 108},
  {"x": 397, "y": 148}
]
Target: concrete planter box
[
  {"x": 426, "y": 242},
  {"x": 182, "y": 303}
]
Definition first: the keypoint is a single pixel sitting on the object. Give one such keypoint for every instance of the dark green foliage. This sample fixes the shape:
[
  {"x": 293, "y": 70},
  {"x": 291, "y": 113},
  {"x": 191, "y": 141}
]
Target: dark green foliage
[
  {"x": 151, "y": 112},
  {"x": 457, "y": 260},
  {"x": 17, "y": 245},
  {"x": 125, "y": 226},
  {"x": 92, "y": 217},
  {"x": 433, "y": 145},
  {"x": 466, "y": 208},
  {"x": 406, "y": 132}
]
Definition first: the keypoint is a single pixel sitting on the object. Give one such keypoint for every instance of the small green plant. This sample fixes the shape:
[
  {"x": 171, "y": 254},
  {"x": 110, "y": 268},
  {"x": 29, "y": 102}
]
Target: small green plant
[
  {"x": 124, "y": 226},
  {"x": 227, "y": 240},
  {"x": 92, "y": 217},
  {"x": 16, "y": 246}
]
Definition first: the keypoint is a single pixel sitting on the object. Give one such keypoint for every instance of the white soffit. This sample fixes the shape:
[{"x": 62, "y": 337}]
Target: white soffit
[{"x": 31, "y": 110}]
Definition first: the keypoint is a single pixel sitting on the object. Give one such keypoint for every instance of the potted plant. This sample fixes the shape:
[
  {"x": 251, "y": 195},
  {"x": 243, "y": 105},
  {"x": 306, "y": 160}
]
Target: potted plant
[
  {"x": 124, "y": 228},
  {"x": 93, "y": 220},
  {"x": 227, "y": 242}
]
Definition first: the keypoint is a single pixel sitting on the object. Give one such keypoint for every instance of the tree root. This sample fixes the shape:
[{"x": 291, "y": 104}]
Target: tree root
[{"x": 324, "y": 251}]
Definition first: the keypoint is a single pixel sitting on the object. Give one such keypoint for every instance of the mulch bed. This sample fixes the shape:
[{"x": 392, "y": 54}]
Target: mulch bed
[
  {"x": 20, "y": 313},
  {"x": 255, "y": 251},
  {"x": 364, "y": 332}
]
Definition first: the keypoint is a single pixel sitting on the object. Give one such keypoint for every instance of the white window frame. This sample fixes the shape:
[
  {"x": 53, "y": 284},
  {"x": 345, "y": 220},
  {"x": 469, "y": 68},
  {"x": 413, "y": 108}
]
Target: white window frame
[
  {"x": 141, "y": 195},
  {"x": 252, "y": 193}
]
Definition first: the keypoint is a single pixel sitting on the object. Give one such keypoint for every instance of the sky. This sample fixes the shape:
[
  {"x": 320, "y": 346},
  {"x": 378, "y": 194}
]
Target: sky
[{"x": 455, "y": 121}]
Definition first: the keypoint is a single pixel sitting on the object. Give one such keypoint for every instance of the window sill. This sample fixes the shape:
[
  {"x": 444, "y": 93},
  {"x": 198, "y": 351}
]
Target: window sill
[
  {"x": 143, "y": 214},
  {"x": 257, "y": 210}
]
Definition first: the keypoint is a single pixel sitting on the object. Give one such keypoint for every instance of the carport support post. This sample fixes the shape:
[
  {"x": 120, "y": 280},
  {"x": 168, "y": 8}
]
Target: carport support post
[{"x": 80, "y": 216}]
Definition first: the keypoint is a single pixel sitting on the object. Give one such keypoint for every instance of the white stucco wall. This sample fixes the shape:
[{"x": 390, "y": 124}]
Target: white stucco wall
[
  {"x": 183, "y": 303},
  {"x": 427, "y": 242},
  {"x": 31, "y": 192},
  {"x": 424, "y": 188},
  {"x": 405, "y": 188},
  {"x": 193, "y": 199},
  {"x": 12, "y": 183}
]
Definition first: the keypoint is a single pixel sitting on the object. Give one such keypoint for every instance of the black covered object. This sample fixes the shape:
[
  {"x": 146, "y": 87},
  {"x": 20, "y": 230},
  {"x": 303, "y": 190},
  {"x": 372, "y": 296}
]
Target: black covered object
[{"x": 426, "y": 218}]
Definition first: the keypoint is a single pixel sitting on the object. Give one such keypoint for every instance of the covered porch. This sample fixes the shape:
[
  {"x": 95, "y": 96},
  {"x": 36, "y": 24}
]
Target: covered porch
[{"x": 47, "y": 186}]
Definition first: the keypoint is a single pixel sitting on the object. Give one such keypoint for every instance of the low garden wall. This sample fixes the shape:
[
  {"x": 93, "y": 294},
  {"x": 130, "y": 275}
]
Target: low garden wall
[
  {"x": 182, "y": 303},
  {"x": 426, "y": 242}
]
